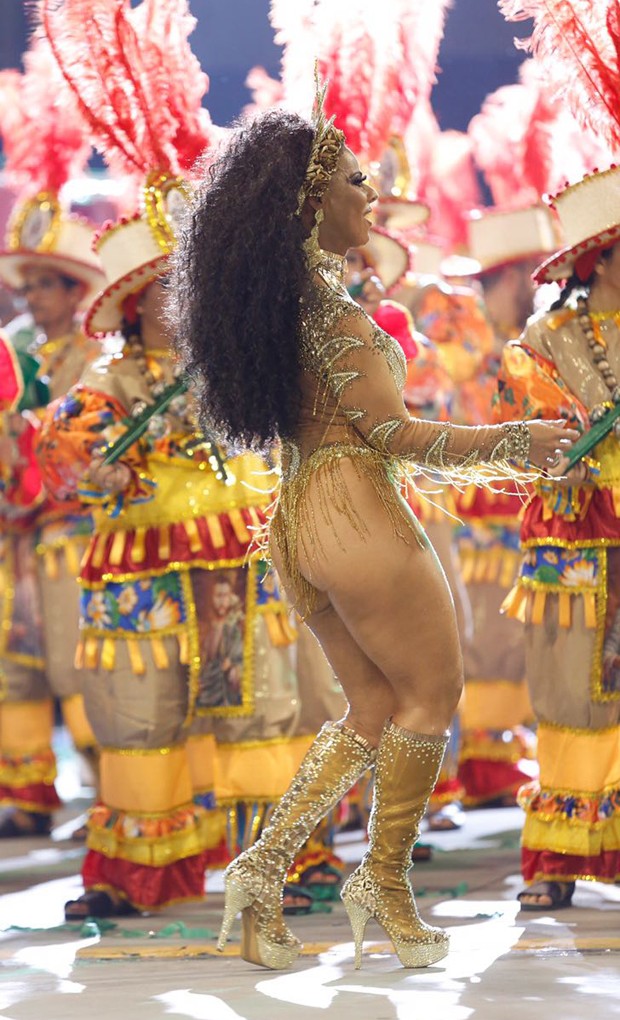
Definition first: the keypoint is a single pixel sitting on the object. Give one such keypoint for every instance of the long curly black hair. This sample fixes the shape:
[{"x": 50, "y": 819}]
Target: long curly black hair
[{"x": 237, "y": 279}]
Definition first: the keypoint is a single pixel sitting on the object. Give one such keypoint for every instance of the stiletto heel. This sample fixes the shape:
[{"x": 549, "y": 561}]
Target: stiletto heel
[
  {"x": 236, "y": 898},
  {"x": 359, "y": 917},
  {"x": 407, "y": 768},
  {"x": 254, "y": 881}
]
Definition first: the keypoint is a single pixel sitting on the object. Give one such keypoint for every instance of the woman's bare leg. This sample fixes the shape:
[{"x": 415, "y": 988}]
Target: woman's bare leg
[{"x": 385, "y": 602}]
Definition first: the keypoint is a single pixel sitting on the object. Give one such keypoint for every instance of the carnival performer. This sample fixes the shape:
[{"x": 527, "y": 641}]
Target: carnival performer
[
  {"x": 498, "y": 747},
  {"x": 427, "y": 393},
  {"x": 567, "y": 363},
  {"x": 48, "y": 259},
  {"x": 300, "y": 360}
]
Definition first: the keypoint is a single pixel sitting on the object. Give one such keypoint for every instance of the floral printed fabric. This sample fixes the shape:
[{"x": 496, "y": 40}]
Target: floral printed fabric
[
  {"x": 152, "y": 605},
  {"x": 556, "y": 568}
]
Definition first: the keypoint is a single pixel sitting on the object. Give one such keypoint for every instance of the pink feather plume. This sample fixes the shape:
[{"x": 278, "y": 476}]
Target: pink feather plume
[
  {"x": 380, "y": 60},
  {"x": 577, "y": 45},
  {"x": 134, "y": 76},
  {"x": 527, "y": 143},
  {"x": 43, "y": 135}
]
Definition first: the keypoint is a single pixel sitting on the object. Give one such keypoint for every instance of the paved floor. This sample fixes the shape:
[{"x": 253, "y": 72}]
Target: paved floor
[{"x": 502, "y": 965}]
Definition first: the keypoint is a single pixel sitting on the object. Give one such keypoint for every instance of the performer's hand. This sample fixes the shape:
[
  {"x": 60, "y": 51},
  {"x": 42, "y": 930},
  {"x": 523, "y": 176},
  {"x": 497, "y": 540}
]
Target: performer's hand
[
  {"x": 373, "y": 292},
  {"x": 108, "y": 477},
  {"x": 550, "y": 444}
]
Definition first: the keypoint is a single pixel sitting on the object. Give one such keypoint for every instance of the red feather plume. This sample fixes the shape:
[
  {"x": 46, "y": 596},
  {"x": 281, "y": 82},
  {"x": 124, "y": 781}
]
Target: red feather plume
[
  {"x": 43, "y": 134},
  {"x": 379, "y": 58},
  {"x": 135, "y": 79},
  {"x": 577, "y": 44}
]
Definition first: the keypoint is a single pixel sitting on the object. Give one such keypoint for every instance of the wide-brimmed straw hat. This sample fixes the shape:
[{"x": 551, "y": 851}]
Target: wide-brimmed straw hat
[
  {"x": 136, "y": 250},
  {"x": 589, "y": 213},
  {"x": 41, "y": 233},
  {"x": 499, "y": 237},
  {"x": 388, "y": 255}
]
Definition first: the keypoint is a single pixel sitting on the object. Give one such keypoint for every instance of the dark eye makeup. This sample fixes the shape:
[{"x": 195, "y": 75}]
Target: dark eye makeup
[{"x": 358, "y": 178}]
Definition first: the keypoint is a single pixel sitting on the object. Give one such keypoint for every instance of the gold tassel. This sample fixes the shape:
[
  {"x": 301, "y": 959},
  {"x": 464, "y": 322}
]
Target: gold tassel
[
  {"x": 239, "y": 528},
  {"x": 98, "y": 550},
  {"x": 480, "y": 566},
  {"x": 91, "y": 653},
  {"x": 183, "y": 642},
  {"x": 72, "y": 559},
  {"x": 538, "y": 607},
  {"x": 615, "y": 495},
  {"x": 50, "y": 564},
  {"x": 215, "y": 531},
  {"x": 118, "y": 548},
  {"x": 78, "y": 659},
  {"x": 191, "y": 530},
  {"x": 564, "y": 613},
  {"x": 510, "y": 563},
  {"x": 274, "y": 630},
  {"x": 138, "y": 549},
  {"x": 467, "y": 566},
  {"x": 589, "y": 605},
  {"x": 108, "y": 654},
  {"x": 164, "y": 543},
  {"x": 138, "y": 666},
  {"x": 160, "y": 656}
]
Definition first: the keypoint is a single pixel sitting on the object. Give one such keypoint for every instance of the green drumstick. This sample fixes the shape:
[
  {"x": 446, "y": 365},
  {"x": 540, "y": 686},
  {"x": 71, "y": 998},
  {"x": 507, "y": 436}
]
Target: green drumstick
[
  {"x": 589, "y": 439},
  {"x": 136, "y": 427}
]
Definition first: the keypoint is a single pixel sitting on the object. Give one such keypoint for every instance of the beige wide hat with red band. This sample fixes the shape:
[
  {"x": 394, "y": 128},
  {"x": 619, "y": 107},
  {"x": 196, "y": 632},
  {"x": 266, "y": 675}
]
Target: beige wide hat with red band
[
  {"x": 498, "y": 237},
  {"x": 388, "y": 255},
  {"x": 589, "y": 212},
  {"x": 41, "y": 233},
  {"x": 135, "y": 251}
]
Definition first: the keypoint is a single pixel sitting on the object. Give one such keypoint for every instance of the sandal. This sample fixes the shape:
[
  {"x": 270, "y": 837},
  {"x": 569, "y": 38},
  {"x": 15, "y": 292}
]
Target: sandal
[
  {"x": 35, "y": 824},
  {"x": 560, "y": 894},
  {"x": 97, "y": 903},
  {"x": 294, "y": 893},
  {"x": 421, "y": 853},
  {"x": 447, "y": 818}
]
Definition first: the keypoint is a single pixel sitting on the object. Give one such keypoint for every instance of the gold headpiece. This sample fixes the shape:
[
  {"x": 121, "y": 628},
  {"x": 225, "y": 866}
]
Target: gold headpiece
[{"x": 326, "y": 147}]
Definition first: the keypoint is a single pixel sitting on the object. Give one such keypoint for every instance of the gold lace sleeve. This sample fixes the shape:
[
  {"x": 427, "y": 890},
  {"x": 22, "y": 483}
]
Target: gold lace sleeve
[{"x": 363, "y": 369}]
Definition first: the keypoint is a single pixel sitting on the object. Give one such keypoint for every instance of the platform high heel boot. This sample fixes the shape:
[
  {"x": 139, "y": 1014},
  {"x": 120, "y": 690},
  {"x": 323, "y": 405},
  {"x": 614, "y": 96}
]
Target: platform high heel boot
[
  {"x": 406, "y": 771},
  {"x": 254, "y": 881}
]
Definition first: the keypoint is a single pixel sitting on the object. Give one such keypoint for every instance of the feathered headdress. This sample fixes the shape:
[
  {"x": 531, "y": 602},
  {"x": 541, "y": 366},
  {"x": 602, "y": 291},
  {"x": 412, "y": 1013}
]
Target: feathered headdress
[
  {"x": 577, "y": 47},
  {"x": 139, "y": 88},
  {"x": 134, "y": 78},
  {"x": 527, "y": 143},
  {"x": 379, "y": 63},
  {"x": 43, "y": 134},
  {"x": 45, "y": 145},
  {"x": 577, "y": 44}
]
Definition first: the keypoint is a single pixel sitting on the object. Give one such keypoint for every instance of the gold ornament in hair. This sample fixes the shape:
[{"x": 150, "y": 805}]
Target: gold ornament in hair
[{"x": 326, "y": 147}]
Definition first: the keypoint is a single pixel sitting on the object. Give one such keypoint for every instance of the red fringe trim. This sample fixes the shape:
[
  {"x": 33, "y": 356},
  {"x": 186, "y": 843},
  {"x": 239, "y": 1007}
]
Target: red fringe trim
[
  {"x": 487, "y": 780},
  {"x": 537, "y": 865},
  {"x": 600, "y": 521},
  {"x": 144, "y": 887},
  {"x": 180, "y": 551},
  {"x": 487, "y": 503},
  {"x": 36, "y": 797}
]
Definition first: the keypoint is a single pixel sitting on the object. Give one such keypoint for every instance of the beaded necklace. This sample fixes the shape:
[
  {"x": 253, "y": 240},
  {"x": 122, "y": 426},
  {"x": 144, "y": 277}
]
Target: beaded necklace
[
  {"x": 598, "y": 348},
  {"x": 180, "y": 408}
]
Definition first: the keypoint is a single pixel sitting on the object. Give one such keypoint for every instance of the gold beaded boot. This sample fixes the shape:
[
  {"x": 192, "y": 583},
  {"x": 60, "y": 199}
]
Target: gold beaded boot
[
  {"x": 406, "y": 771},
  {"x": 254, "y": 881}
]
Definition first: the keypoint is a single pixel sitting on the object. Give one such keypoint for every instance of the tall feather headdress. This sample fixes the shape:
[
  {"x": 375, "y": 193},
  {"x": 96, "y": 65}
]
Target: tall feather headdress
[
  {"x": 45, "y": 144},
  {"x": 139, "y": 88},
  {"x": 577, "y": 44},
  {"x": 526, "y": 141}
]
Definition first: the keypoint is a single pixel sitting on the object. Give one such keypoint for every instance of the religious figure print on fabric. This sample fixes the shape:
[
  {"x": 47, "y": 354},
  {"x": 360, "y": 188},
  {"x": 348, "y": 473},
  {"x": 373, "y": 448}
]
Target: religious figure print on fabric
[{"x": 226, "y": 609}]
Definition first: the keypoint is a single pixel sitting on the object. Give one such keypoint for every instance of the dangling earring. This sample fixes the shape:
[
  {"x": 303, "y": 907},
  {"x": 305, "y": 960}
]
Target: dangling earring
[{"x": 312, "y": 248}]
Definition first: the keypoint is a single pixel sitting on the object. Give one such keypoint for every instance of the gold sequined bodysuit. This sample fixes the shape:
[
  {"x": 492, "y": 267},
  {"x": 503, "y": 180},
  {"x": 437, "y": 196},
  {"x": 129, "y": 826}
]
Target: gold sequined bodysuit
[{"x": 352, "y": 408}]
